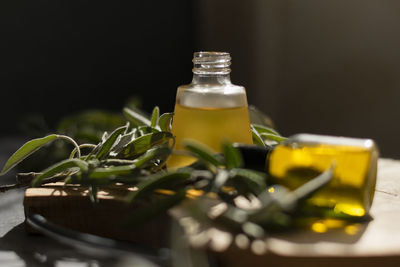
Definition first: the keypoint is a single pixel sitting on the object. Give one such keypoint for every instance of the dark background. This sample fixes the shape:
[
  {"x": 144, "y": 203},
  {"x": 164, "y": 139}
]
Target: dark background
[
  {"x": 59, "y": 57},
  {"x": 326, "y": 67}
]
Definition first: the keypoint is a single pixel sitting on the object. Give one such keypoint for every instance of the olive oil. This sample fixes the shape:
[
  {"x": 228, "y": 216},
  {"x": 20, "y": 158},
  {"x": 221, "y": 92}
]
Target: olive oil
[
  {"x": 209, "y": 126},
  {"x": 303, "y": 157}
]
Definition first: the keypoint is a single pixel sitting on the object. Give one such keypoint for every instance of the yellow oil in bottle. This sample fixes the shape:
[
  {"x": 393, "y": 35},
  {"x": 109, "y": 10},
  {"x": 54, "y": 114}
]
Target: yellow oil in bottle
[
  {"x": 210, "y": 109},
  {"x": 350, "y": 191},
  {"x": 209, "y": 126}
]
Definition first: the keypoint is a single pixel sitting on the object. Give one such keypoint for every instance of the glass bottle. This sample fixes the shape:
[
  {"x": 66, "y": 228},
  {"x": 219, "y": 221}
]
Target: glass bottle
[
  {"x": 210, "y": 109},
  {"x": 304, "y": 156}
]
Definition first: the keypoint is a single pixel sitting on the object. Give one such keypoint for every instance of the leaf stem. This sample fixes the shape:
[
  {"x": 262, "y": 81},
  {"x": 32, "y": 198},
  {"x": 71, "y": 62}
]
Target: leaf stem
[
  {"x": 81, "y": 146},
  {"x": 67, "y": 138}
]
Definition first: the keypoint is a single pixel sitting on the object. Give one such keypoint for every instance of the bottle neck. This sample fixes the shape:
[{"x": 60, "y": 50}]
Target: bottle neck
[
  {"x": 222, "y": 79},
  {"x": 211, "y": 68}
]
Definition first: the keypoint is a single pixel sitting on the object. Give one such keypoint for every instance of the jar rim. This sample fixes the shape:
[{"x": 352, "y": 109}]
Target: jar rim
[{"x": 211, "y": 62}]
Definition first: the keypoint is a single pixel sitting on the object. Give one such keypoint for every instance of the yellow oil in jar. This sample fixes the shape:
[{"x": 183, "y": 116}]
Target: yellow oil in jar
[
  {"x": 209, "y": 126},
  {"x": 350, "y": 191}
]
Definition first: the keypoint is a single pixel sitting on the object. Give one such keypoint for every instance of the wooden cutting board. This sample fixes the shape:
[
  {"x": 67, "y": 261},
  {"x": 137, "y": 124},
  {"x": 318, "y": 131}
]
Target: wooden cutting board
[
  {"x": 70, "y": 207},
  {"x": 366, "y": 244}
]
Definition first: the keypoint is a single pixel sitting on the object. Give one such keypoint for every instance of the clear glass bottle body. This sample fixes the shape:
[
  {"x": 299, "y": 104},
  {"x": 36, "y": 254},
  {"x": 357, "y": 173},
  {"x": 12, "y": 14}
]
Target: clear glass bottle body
[
  {"x": 210, "y": 109},
  {"x": 304, "y": 156}
]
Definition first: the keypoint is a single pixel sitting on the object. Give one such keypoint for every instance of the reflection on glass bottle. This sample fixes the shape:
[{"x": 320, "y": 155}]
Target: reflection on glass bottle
[
  {"x": 210, "y": 109},
  {"x": 304, "y": 156}
]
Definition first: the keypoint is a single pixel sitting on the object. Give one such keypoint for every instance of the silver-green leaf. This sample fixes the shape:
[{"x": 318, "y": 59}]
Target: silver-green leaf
[
  {"x": 165, "y": 122},
  {"x": 60, "y": 167},
  {"x": 154, "y": 116},
  {"x": 27, "y": 149}
]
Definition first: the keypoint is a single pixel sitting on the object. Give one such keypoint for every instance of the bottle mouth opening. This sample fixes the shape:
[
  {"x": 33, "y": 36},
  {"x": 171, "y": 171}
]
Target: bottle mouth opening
[{"x": 206, "y": 62}]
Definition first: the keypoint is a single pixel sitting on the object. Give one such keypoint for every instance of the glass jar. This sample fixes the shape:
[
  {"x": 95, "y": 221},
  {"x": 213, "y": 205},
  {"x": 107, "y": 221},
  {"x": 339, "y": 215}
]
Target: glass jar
[
  {"x": 210, "y": 109},
  {"x": 304, "y": 156}
]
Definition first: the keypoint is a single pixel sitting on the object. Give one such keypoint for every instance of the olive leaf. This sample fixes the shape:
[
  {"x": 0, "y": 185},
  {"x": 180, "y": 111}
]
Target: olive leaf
[
  {"x": 233, "y": 158},
  {"x": 27, "y": 149},
  {"x": 117, "y": 162},
  {"x": 60, "y": 167},
  {"x": 123, "y": 141},
  {"x": 112, "y": 171},
  {"x": 265, "y": 129},
  {"x": 158, "y": 153},
  {"x": 252, "y": 181},
  {"x": 202, "y": 152},
  {"x": 92, "y": 146},
  {"x": 143, "y": 143},
  {"x": 154, "y": 117},
  {"x": 32, "y": 146},
  {"x": 106, "y": 146},
  {"x": 257, "y": 139},
  {"x": 165, "y": 122},
  {"x": 273, "y": 137},
  {"x": 142, "y": 130},
  {"x": 261, "y": 132}
]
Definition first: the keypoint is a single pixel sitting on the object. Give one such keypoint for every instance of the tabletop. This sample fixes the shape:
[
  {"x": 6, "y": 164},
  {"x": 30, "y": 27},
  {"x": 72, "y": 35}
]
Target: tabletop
[{"x": 374, "y": 243}]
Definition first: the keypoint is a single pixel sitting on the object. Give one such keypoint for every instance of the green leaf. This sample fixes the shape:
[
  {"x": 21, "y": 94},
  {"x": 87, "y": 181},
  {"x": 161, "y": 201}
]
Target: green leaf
[
  {"x": 202, "y": 152},
  {"x": 60, "y": 167},
  {"x": 248, "y": 180},
  {"x": 147, "y": 129},
  {"x": 265, "y": 129},
  {"x": 27, "y": 149},
  {"x": 273, "y": 137},
  {"x": 124, "y": 140},
  {"x": 117, "y": 162},
  {"x": 233, "y": 158},
  {"x": 136, "y": 118},
  {"x": 143, "y": 143},
  {"x": 154, "y": 116},
  {"x": 144, "y": 214},
  {"x": 92, "y": 146},
  {"x": 105, "y": 148},
  {"x": 158, "y": 180},
  {"x": 159, "y": 153},
  {"x": 165, "y": 122},
  {"x": 112, "y": 171},
  {"x": 256, "y": 137}
]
